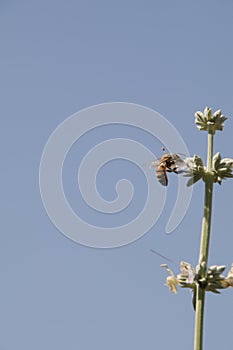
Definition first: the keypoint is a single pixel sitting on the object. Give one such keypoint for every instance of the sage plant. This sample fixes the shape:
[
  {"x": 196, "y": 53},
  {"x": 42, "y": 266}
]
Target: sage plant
[{"x": 202, "y": 279}]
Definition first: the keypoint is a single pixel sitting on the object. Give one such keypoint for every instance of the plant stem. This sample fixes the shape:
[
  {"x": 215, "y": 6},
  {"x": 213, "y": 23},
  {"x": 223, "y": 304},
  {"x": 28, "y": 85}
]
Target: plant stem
[
  {"x": 199, "y": 320},
  {"x": 204, "y": 247}
]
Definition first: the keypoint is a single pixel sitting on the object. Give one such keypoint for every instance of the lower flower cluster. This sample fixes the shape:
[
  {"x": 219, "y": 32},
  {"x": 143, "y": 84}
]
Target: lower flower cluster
[
  {"x": 222, "y": 169},
  {"x": 190, "y": 277}
]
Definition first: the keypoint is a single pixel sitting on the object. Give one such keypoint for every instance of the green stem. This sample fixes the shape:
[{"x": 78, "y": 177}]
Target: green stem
[
  {"x": 204, "y": 247},
  {"x": 199, "y": 320},
  {"x": 210, "y": 151}
]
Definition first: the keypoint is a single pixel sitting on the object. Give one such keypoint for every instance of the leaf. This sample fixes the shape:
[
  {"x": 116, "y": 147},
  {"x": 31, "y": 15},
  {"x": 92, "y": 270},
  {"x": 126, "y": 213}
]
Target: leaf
[{"x": 194, "y": 179}]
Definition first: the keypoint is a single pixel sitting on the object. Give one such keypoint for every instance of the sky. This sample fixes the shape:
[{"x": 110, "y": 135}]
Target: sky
[{"x": 57, "y": 58}]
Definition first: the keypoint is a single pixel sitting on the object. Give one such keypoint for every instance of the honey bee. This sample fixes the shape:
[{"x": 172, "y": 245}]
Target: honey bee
[{"x": 171, "y": 163}]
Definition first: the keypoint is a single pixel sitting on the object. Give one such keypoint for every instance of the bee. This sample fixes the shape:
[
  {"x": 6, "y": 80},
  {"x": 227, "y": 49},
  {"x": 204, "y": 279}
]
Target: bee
[{"x": 171, "y": 163}]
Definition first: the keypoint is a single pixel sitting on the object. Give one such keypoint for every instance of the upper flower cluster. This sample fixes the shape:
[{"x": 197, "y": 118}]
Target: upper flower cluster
[{"x": 207, "y": 121}]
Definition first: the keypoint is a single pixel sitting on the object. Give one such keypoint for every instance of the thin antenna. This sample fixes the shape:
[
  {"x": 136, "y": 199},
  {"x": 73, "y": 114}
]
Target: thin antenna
[{"x": 163, "y": 256}]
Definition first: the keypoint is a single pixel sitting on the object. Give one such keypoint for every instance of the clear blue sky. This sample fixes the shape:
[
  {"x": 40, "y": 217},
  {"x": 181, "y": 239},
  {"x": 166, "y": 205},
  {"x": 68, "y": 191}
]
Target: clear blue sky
[{"x": 58, "y": 57}]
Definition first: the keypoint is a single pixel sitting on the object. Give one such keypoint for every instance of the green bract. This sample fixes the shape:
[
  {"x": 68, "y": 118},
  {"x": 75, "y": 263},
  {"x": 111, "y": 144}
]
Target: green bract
[{"x": 222, "y": 168}]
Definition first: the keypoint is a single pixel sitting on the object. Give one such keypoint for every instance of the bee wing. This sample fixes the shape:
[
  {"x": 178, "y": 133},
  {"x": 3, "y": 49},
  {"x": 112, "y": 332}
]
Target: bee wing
[
  {"x": 180, "y": 164},
  {"x": 182, "y": 168},
  {"x": 149, "y": 164},
  {"x": 154, "y": 163}
]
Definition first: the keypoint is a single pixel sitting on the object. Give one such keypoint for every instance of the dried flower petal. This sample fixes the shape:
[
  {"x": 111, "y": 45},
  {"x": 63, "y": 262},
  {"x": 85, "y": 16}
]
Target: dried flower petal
[{"x": 172, "y": 282}]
